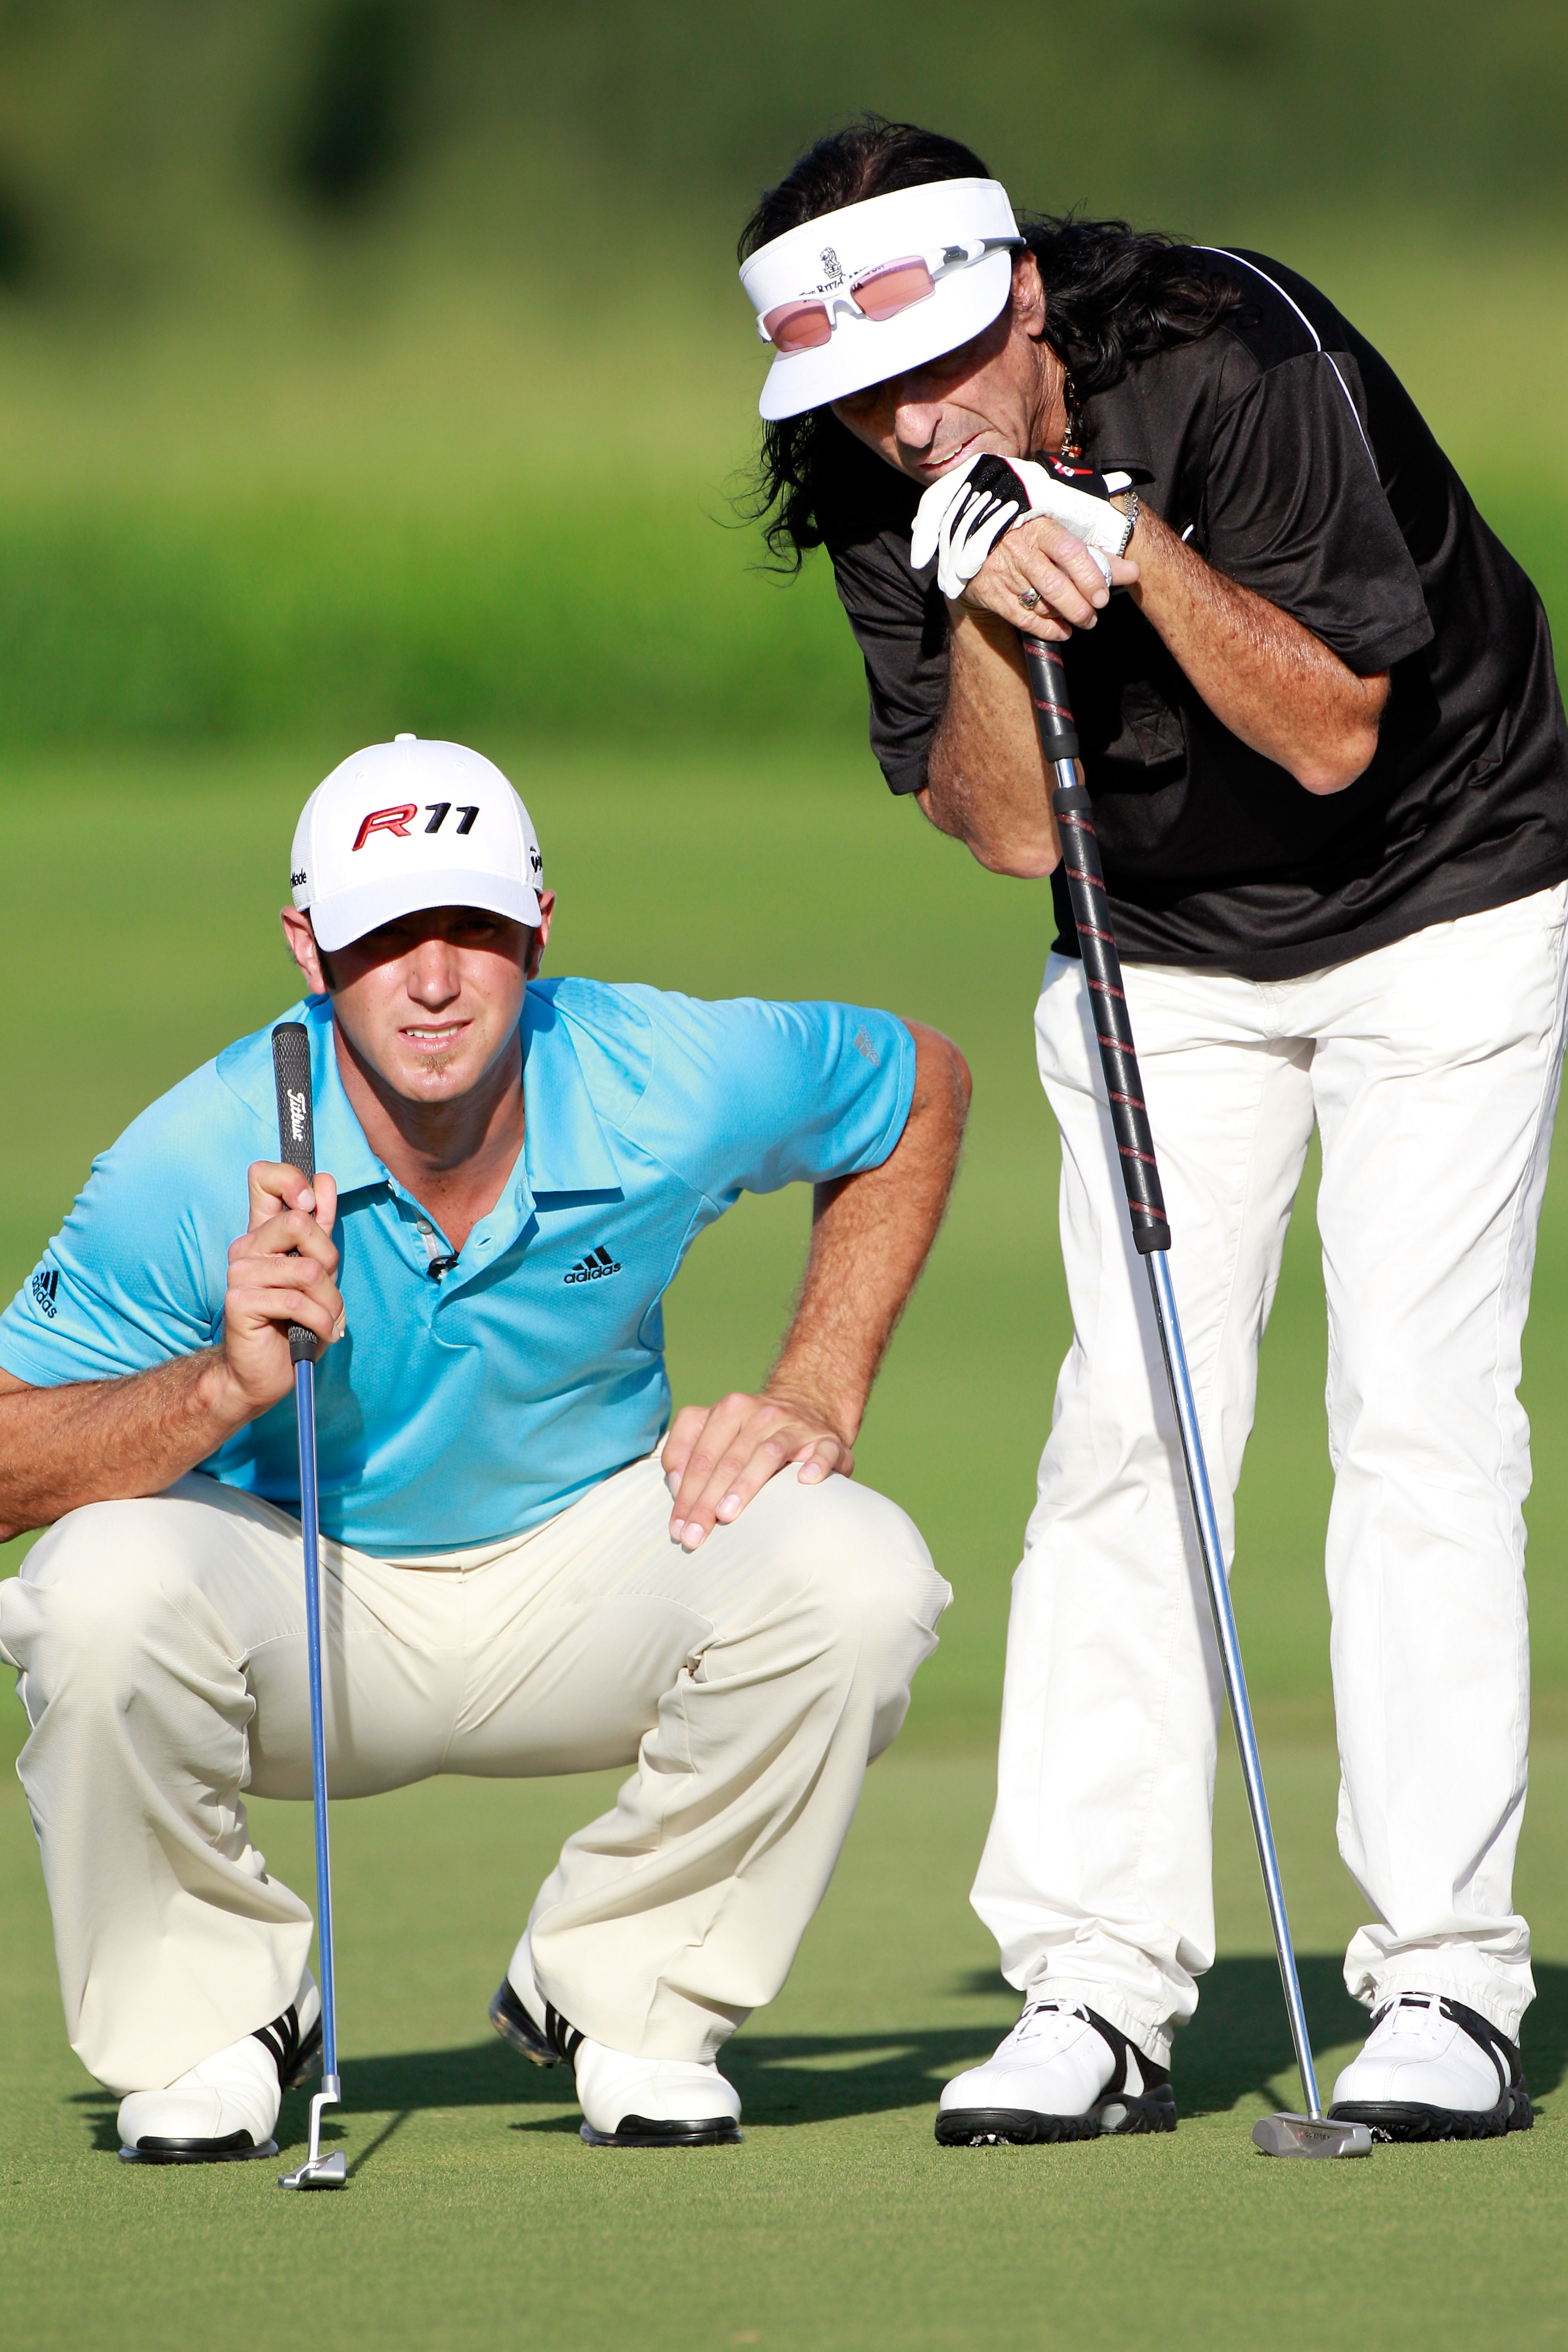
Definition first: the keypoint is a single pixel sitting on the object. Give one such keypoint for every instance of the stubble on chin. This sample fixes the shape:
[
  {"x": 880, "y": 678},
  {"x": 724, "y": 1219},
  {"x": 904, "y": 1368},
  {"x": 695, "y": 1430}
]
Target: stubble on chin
[{"x": 428, "y": 1066}]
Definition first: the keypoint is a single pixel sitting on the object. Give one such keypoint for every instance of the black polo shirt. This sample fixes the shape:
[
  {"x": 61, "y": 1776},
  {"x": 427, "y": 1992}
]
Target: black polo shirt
[{"x": 1289, "y": 454}]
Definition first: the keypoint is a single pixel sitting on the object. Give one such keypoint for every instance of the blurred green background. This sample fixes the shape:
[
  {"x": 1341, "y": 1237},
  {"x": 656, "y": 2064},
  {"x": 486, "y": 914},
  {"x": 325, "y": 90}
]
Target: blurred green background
[
  {"x": 371, "y": 364},
  {"x": 374, "y": 356},
  {"x": 379, "y": 363}
]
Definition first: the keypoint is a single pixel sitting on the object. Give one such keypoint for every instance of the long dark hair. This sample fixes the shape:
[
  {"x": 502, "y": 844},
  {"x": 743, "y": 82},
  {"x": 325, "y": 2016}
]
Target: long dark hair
[{"x": 1113, "y": 295}]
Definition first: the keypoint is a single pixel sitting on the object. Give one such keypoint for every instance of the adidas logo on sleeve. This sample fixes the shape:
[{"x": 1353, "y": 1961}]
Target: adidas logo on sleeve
[{"x": 595, "y": 1267}]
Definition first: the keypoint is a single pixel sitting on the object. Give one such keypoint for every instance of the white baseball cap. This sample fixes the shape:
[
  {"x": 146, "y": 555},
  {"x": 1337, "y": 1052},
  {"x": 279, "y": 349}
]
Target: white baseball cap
[
  {"x": 408, "y": 824},
  {"x": 863, "y": 293}
]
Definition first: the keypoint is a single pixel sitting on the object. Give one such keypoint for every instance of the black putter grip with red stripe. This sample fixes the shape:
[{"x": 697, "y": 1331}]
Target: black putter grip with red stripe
[
  {"x": 296, "y": 1138},
  {"x": 1101, "y": 964}
]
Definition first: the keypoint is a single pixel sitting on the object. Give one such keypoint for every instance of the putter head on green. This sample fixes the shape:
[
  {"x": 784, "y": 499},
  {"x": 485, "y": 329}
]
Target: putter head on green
[
  {"x": 320, "y": 2172},
  {"x": 325, "y": 2172},
  {"x": 1310, "y": 2136}
]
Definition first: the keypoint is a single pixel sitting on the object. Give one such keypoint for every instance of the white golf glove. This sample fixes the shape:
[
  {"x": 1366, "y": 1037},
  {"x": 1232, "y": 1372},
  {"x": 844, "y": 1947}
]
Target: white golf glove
[{"x": 961, "y": 518}]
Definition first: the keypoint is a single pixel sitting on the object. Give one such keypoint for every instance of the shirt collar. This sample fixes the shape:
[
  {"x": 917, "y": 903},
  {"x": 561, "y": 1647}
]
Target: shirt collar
[
  {"x": 563, "y": 1147},
  {"x": 563, "y": 1150}
]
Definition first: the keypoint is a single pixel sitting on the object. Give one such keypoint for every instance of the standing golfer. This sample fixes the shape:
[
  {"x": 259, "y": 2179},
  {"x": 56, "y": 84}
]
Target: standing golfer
[
  {"x": 1327, "y": 754},
  {"x": 517, "y": 1579}
]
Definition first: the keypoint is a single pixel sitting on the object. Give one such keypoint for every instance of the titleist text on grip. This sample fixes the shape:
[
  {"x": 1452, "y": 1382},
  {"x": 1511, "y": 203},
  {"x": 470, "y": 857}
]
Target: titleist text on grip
[{"x": 296, "y": 1136}]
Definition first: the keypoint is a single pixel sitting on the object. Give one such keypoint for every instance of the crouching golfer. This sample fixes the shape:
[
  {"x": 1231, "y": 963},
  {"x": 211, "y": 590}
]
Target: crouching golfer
[
  {"x": 516, "y": 1171},
  {"x": 1326, "y": 749}
]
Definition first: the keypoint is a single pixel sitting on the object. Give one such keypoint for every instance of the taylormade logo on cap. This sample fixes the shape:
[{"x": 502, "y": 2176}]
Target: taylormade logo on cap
[{"x": 410, "y": 825}]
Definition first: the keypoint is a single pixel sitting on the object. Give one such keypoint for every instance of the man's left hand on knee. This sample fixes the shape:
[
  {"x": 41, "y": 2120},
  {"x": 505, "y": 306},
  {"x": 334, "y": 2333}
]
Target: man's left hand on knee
[{"x": 716, "y": 1458}]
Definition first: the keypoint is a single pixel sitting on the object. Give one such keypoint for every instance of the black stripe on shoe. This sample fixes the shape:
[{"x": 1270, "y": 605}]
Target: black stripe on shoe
[
  {"x": 1120, "y": 2111},
  {"x": 296, "y": 2058},
  {"x": 543, "y": 2046},
  {"x": 1409, "y": 2121}
]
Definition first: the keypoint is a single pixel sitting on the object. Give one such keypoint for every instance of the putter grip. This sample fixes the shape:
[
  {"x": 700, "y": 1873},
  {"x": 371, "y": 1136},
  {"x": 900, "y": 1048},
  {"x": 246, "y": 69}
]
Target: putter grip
[
  {"x": 296, "y": 1138},
  {"x": 1097, "y": 943}
]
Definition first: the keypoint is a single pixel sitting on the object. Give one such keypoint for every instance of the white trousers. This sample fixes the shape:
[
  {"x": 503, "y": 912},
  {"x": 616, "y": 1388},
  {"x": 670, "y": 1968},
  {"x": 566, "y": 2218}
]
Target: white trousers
[
  {"x": 1431, "y": 1069},
  {"x": 162, "y": 1653}
]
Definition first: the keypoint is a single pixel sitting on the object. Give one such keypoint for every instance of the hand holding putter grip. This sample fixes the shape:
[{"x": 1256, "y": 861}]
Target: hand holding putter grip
[
  {"x": 1313, "y": 2134},
  {"x": 297, "y": 1146}
]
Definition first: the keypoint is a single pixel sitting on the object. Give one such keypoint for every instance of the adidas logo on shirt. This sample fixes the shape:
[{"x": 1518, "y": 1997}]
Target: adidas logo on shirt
[
  {"x": 593, "y": 1268},
  {"x": 44, "y": 1289}
]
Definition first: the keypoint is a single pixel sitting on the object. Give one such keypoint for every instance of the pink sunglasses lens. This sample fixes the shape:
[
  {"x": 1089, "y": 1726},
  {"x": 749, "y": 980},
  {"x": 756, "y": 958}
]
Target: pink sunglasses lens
[
  {"x": 896, "y": 286},
  {"x": 798, "y": 326}
]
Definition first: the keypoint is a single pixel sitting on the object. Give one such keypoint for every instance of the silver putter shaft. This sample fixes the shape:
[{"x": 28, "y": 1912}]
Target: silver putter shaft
[
  {"x": 1313, "y": 2134},
  {"x": 297, "y": 1146}
]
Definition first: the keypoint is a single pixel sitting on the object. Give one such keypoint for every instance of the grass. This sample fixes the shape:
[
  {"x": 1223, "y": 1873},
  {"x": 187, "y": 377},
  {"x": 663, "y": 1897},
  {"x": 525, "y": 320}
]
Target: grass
[
  {"x": 136, "y": 906},
  {"x": 476, "y": 2217}
]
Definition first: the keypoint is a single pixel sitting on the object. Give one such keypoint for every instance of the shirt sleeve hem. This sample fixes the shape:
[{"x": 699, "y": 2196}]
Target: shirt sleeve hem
[
  {"x": 905, "y": 778},
  {"x": 887, "y": 1141},
  {"x": 13, "y": 1360},
  {"x": 1366, "y": 661}
]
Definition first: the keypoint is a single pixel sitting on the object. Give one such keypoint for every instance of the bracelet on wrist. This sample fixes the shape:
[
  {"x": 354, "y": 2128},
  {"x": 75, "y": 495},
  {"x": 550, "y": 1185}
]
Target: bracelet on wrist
[{"x": 1132, "y": 510}]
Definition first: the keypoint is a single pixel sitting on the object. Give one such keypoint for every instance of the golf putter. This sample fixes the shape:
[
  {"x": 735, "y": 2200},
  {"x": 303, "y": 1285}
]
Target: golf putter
[
  {"x": 1313, "y": 2134},
  {"x": 296, "y": 1145}
]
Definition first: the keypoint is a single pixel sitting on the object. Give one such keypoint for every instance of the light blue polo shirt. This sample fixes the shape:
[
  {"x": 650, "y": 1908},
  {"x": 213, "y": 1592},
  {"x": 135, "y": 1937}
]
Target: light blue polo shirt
[{"x": 467, "y": 1408}]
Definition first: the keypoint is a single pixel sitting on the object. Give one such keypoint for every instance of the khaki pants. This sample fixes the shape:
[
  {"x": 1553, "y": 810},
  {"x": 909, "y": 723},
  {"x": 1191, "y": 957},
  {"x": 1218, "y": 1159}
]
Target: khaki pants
[{"x": 161, "y": 1645}]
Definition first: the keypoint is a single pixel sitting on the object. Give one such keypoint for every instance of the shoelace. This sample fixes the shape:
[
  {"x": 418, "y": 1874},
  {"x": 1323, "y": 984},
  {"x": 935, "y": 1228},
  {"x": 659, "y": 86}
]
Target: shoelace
[
  {"x": 1413, "y": 2021},
  {"x": 1031, "y": 2026},
  {"x": 1422, "y": 2018}
]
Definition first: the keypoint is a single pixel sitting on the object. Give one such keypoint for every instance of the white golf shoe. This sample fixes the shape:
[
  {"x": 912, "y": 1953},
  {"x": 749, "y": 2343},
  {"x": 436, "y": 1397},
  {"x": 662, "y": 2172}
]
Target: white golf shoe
[
  {"x": 1063, "y": 2073},
  {"x": 653, "y": 2102},
  {"x": 224, "y": 2111},
  {"x": 627, "y": 2102},
  {"x": 1433, "y": 2069}
]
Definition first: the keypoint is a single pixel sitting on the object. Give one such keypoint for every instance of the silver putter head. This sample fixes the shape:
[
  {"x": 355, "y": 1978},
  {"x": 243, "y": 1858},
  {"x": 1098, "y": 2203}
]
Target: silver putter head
[
  {"x": 320, "y": 2172},
  {"x": 1310, "y": 2136},
  {"x": 324, "y": 2172}
]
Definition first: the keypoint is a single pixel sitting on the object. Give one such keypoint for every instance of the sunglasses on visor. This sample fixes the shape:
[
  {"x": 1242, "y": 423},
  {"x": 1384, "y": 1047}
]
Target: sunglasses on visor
[{"x": 805, "y": 324}]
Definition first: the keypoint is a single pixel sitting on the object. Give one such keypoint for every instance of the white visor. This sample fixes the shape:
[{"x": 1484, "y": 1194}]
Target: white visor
[{"x": 819, "y": 261}]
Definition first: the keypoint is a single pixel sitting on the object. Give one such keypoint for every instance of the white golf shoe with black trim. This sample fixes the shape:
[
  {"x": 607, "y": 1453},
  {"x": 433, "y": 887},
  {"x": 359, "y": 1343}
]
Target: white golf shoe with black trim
[
  {"x": 1063, "y": 2073},
  {"x": 224, "y": 2111},
  {"x": 1433, "y": 2069},
  {"x": 653, "y": 2102},
  {"x": 627, "y": 2102}
]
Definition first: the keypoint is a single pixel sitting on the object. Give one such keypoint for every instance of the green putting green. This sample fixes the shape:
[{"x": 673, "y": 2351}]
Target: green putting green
[{"x": 138, "y": 899}]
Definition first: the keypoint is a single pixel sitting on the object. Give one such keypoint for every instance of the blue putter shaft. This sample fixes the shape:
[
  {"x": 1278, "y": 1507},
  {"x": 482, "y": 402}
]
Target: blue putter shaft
[{"x": 305, "y": 1403}]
